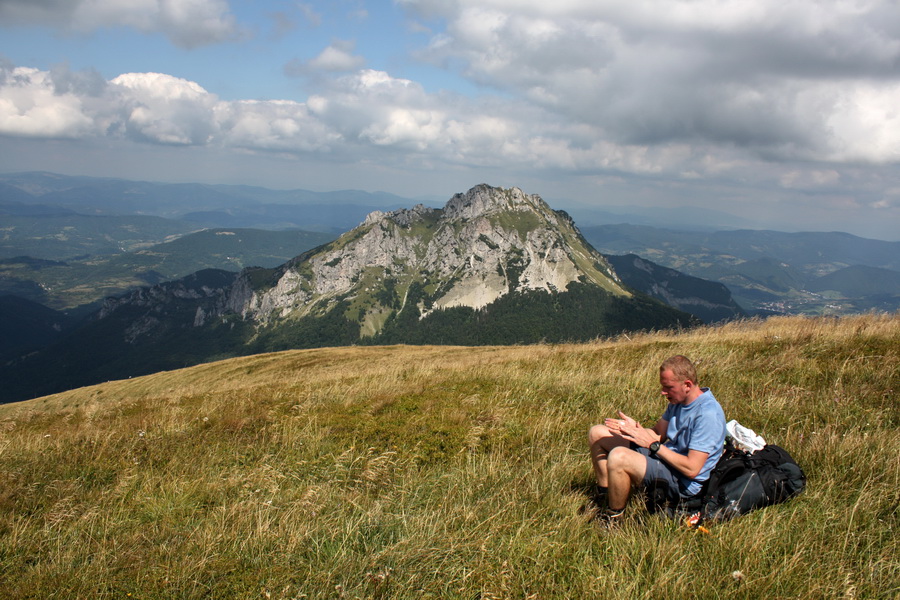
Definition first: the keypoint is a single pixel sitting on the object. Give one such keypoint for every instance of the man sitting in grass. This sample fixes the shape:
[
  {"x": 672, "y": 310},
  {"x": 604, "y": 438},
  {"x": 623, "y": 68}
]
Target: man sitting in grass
[{"x": 680, "y": 450}]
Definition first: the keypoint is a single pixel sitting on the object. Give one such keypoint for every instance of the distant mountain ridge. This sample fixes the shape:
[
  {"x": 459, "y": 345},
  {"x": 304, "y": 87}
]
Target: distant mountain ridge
[
  {"x": 859, "y": 280},
  {"x": 805, "y": 250},
  {"x": 203, "y": 205},
  {"x": 769, "y": 271}
]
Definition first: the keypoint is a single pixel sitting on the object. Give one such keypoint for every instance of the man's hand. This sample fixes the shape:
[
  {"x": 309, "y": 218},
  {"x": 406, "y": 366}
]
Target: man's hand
[
  {"x": 617, "y": 425},
  {"x": 631, "y": 430}
]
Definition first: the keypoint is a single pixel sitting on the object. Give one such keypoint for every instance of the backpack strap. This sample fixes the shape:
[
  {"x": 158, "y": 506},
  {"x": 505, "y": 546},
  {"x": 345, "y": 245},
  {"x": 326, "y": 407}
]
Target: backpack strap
[{"x": 772, "y": 454}]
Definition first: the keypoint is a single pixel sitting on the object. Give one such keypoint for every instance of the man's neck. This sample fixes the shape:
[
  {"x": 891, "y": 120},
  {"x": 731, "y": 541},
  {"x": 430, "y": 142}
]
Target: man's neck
[{"x": 695, "y": 393}]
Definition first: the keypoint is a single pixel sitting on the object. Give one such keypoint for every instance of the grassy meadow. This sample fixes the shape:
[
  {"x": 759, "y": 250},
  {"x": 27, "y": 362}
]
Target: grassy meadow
[{"x": 449, "y": 472}]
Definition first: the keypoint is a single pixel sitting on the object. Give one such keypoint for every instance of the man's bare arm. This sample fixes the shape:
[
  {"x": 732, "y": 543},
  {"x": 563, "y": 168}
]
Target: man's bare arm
[{"x": 689, "y": 465}]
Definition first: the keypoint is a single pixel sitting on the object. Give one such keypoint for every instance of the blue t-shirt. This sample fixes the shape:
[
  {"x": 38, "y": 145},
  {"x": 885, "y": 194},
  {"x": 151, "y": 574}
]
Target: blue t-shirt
[{"x": 699, "y": 426}]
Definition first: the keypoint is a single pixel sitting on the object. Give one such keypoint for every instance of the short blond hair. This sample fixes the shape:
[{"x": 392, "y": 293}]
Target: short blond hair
[{"x": 681, "y": 367}]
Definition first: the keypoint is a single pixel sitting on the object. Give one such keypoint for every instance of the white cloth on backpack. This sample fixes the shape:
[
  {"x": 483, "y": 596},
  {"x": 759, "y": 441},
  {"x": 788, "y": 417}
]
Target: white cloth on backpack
[{"x": 743, "y": 437}]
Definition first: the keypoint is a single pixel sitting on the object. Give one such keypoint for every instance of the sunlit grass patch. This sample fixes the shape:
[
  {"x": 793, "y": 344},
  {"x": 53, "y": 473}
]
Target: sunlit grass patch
[{"x": 415, "y": 472}]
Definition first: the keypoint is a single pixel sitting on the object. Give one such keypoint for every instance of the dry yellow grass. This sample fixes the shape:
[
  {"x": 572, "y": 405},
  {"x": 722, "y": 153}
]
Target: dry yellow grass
[{"x": 447, "y": 472}]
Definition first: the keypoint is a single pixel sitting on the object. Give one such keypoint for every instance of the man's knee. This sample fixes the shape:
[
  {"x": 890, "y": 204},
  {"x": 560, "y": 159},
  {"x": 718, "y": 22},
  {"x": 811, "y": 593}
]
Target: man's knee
[
  {"x": 623, "y": 458},
  {"x": 597, "y": 433},
  {"x": 619, "y": 456}
]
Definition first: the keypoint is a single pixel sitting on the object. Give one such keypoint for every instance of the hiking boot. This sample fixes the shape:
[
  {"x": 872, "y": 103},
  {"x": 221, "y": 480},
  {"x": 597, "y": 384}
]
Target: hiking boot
[
  {"x": 605, "y": 517},
  {"x": 609, "y": 518}
]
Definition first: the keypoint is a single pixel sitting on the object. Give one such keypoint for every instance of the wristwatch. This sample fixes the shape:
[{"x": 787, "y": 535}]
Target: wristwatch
[{"x": 654, "y": 447}]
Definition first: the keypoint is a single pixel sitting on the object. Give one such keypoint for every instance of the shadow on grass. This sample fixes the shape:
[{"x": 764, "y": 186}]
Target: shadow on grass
[{"x": 594, "y": 499}]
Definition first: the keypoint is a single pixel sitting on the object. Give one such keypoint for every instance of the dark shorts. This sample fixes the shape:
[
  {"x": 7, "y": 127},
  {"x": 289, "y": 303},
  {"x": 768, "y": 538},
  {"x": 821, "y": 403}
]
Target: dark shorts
[{"x": 658, "y": 471}]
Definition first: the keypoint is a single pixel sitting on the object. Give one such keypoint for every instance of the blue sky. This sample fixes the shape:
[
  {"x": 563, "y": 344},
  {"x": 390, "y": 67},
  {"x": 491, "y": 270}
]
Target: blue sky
[{"x": 781, "y": 113}]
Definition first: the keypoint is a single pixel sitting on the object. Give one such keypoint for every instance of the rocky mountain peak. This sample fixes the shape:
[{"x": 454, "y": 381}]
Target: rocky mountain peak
[
  {"x": 484, "y": 244},
  {"x": 479, "y": 201},
  {"x": 484, "y": 199}
]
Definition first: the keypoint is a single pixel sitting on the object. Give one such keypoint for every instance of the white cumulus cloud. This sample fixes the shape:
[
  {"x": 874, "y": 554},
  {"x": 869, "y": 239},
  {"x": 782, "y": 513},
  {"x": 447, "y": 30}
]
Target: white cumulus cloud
[
  {"x": 165, "y": 109},
  {"x": 31, "y": 106},
  {"x": 275, "y": 125}
]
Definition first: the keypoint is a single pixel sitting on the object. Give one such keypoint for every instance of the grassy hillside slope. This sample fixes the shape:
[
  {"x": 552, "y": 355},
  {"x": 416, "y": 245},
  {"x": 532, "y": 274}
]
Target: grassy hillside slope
[{"x": 448, "y": 472}]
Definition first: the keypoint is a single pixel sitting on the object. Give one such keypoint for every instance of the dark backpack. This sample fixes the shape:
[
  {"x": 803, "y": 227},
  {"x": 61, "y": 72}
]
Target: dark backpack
[{"x": 741, "y": 482}]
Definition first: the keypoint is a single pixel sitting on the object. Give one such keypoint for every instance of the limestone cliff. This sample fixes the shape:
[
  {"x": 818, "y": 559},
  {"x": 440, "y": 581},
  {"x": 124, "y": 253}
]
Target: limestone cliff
[{"x": 482, "y": 245}]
